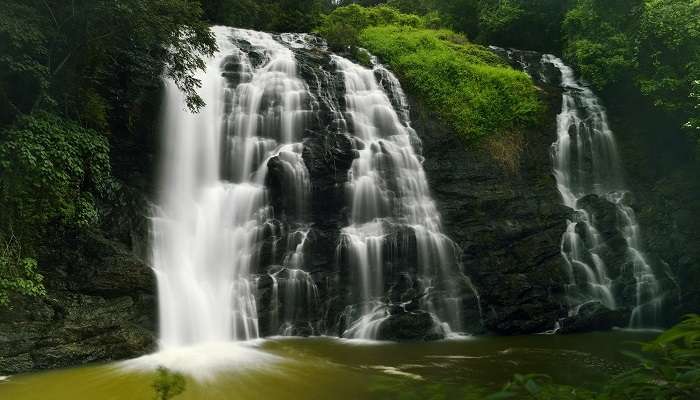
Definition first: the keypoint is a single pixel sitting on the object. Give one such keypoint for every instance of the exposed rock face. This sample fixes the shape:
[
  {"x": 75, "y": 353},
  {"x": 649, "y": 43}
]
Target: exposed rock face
[
  {"x": 594, "y": 316},
  {"x": 509, "y": 225},
  {"x": 100, "y": 306}
]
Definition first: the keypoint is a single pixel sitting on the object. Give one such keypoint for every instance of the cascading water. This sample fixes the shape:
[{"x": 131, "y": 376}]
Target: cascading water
[
  {"x": 237, "y": 234},
  {"x": 213, "y": 212},
  {"x": 586, "y": 164},
  {"x": 390, "y": 201}
]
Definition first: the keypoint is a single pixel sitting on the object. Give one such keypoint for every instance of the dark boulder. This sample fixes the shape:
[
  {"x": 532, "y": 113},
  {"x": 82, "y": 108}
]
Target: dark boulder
[
  {"x": 407, "y": 326},
  {"x": 593, "y": 316}
]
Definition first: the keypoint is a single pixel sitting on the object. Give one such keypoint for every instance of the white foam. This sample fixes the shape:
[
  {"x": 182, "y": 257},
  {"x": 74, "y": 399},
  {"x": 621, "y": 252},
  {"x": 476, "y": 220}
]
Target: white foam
[
  {"x": 397, "y": 372},
  {"x": 205, "y": 361}
]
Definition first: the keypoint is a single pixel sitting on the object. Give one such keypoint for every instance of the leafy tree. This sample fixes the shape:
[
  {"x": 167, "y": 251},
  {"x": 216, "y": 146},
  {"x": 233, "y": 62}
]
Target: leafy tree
[
  {"x": 51, "y": 171},
  {"x": 526, "y": 24},
  {"x": 600, "y": 40},
  {"x": 76, "y": 78},
  {"x": 24, "y": 77},
  {"x": 267, "y": 15},
  {"x": 669, "y": 52},
  {"x": 168, "y": 384},
  {"x": 110, "y": 50}
]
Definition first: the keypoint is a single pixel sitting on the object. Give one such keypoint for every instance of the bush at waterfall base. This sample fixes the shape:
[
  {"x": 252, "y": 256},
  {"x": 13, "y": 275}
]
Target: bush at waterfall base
[
  {"x": 168, "y": 384},
  {"x": 466, "y": 84},
  {"x": 669, "y": 369}
]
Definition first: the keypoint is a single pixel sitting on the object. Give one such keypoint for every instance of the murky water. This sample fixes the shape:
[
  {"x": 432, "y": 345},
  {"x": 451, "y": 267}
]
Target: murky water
[{"x": 328, "y": 368}]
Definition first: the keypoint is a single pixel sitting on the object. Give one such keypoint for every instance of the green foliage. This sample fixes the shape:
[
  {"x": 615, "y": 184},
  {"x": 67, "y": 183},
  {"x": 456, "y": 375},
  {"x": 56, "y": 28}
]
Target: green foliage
[
  {"x": 669, "y": 370},
  {"x": 342, "y": 27},
  {"x": 267, "y": 15},
  {"x": 526, "y": 24},
  {"x": 55, "y": 52},
  {"x": 18, "y": 274},
  {"x": 23, "y": 75},
  {"x": 73, "y": 74},
  {"x": 599, "y": 40},
  {"x": 669, "y": 52},
  {"x": 168, "y": 384},
  {"x": 51, "y": 170},
  {"x": 650, "y": 45},
  {"x": 466, "y": 84}
]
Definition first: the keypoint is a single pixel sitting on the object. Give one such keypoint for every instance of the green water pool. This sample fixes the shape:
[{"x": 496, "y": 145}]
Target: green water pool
[{"x": 327, "y": 368}]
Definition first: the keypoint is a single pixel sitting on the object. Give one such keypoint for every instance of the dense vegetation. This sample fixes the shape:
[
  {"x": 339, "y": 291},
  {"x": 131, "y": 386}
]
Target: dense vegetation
[
  {"x": 77, "y": 81},
  {"x": 468, "y": 85}
]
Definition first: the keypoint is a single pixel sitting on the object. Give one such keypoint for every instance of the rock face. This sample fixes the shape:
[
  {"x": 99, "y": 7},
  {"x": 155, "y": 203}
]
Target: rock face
[
  {"x": 507, "y": 223},
  {"x": 100, "y": 306},
  {"x": 405, "y": 325},
  {"x": 593, "y": 316}
]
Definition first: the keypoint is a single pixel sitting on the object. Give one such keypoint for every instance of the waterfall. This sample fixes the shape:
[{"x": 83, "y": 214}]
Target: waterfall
[
  {"x": 236, "y": 235},
  {"x": 213, "y": 211},
  {"x": 586, "y": 167},
  {"x": 390, "y": 203}
]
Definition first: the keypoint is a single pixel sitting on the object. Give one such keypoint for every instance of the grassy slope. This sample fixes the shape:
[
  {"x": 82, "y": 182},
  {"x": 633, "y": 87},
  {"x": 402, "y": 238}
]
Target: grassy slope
[{"x": 466, "y": 84}]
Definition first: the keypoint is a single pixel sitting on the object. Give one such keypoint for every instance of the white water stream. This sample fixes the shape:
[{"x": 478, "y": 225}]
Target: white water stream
[
  {"x": 213, "y": 206},
  {"x": 586, "y": 162}
]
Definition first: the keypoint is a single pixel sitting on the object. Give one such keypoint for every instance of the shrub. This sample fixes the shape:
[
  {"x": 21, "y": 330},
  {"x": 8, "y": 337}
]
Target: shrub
[
  {"x": 18, "y": 274},
  {"x": 168, "y": 384},
  {"x": 52, "y": 170},
  {"x": 342, "y": 27}
]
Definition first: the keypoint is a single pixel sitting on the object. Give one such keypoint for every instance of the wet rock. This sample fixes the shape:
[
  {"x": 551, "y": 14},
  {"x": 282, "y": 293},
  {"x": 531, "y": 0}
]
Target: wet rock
[
  {"x": 100, "y": 306},
  {"x": 410, "y": 326},
  {"x": 603, "y": 212},
  {"x": 507, "y": 224},
  {"x": 593, "y": 316}
]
